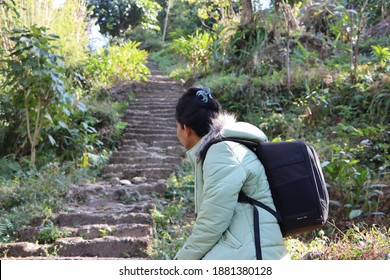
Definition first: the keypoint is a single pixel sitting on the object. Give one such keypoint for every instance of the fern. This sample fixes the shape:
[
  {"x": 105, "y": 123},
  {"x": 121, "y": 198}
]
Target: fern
[{"x": 6, "y": 230}]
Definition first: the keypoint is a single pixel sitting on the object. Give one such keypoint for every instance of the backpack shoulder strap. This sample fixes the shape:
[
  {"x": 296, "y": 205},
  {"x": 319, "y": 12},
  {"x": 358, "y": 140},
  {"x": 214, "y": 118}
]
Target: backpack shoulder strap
[
  {"x": 243, "y": 198},
  {"x": 248, "y": 143}
]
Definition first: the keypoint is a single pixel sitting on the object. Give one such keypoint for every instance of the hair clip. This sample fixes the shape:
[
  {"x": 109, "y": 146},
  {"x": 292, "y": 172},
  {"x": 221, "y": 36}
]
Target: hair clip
[{"x": 204, "y": 94}]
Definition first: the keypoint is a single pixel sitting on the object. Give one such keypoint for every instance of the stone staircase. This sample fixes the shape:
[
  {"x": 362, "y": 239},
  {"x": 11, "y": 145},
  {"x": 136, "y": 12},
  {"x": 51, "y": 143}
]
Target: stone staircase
[{"x": 111, "y": 218}]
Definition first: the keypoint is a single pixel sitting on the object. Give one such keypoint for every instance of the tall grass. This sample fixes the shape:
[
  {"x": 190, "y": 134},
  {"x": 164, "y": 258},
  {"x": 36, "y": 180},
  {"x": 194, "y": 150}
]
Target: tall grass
[
  {"x": 67, "y": 21},
  {"x": 32, "y": 196}
]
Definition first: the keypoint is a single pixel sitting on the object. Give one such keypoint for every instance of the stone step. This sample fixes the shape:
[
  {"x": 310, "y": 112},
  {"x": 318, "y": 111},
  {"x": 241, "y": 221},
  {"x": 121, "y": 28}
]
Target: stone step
[
  {"x": 153, "y": 173},
  {"x": 31, "y": 234},
  {"x": 23, "y": 250},
  {"x": 154, "y": 89},
  {"x": 162, "y": 148},
  {"x": 135, "y": 115},
  {"x": 163, "y": 101},
  {"x": 108, "y": 246},
  {"x": 152, "y": 106},
  {"x": 145, "y": 106},
  {"x": 172, "y": 148},
  {"x": 145, "y": 109},
  {"x": 149, "y": 117},
  {"x": 130, "y": 152},
  {"x": 104, "y": 247},
  {"x": 165, "y": 143},
  {"x": 149, "y": 172},
  {"x": 119, "y": 205},
  {"x": 122, "y": 230},
  {"x": 161, "y": 125},
  {"x": 150, "y": 138},
  {"x": 151, "y": 130},
  {"x": 86, "y": 218},
  {"x": 151, "y": 122},
  {"x": 145, "y": 160}
]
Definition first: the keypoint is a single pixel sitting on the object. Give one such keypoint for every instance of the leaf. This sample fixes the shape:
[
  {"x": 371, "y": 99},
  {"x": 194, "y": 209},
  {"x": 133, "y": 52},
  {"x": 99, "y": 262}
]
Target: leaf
[
  {"x": 350, "y": 11},
  {"x": 378, "y": 213},
  {"x": 81, "y": 106},
  {"x": 52, "y": 140},
  {"x": 355, "y": 213},
  {"x": 378, "y": 192},
  {"x": 339, "y": 8},
  {"x": 62, "y": 124},
  {"x": 379, "y": 186},
  {"x": 84, "y": 161},
  {"x": 47, "y": 116},
  {"x": 336, "y": 203},
  {"x": 66, "y": 111}
]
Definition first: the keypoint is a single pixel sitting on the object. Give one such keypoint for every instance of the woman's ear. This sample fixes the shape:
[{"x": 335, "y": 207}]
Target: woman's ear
[{"x": 187, "y": 130}]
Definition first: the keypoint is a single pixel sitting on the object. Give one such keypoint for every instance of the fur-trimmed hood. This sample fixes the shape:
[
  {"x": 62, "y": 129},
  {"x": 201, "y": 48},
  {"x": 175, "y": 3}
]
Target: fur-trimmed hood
[{"x": 226, "y": 125}]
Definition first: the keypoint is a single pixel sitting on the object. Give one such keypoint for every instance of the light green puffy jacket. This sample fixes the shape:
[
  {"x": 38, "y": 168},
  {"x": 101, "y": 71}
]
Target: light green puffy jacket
[{"x": 224, "y": 227}]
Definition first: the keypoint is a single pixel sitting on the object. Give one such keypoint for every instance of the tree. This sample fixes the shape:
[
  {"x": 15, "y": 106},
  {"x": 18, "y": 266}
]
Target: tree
[
  {"x": 283, "y": 5},
  {"x": 247, "y": 13},
  {"x": 169, "y": 6},
  {"x": 35, "y": 74},
  {"x": 116, "y": 16}
]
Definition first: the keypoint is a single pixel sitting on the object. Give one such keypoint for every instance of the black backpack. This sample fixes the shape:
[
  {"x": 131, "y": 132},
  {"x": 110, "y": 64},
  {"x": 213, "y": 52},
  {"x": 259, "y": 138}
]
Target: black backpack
[{"x": 297, "y": 185}]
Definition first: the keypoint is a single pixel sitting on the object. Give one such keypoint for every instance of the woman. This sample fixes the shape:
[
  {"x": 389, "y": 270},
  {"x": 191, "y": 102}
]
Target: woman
[{"x": 224, "y": 227}]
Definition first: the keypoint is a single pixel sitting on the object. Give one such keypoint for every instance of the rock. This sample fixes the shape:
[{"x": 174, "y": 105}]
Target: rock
[
  {"x": 22, "y": 249},
  {"x": 125, "y": 182},
  {"x": 138, "y": 180},
  {"x": 115, "y": 181}
]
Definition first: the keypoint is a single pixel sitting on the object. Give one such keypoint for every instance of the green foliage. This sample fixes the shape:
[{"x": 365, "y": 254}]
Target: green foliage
[
  {"x": 194, "y": 50},
  {"x": 232, "y": 90},
  {"x": 353, "y": 187},
  {"x": 150, "y": 40},
  {"x": 49, "y": 233},
  {"x": 9, "y": 167},
  {"x": 173, "y": 220},
  {"x": 381, "y": 55},
  {"x": 36, "y": 75},
  {"x": 298, "y": 249},
  {"x": 244, "y": 44},
  {"x": 30, "y": 195},
  {"x": 68, "y": 21},
  {"x": 358, "y": 243},
  {"x": 6, "y": 230},
  {"x": 115, "y": 17},
  {"x": 117, "y": 63}
]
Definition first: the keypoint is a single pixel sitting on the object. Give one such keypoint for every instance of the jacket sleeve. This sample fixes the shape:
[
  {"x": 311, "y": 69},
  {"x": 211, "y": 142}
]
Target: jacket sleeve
[{"x": 223, "y": 178}]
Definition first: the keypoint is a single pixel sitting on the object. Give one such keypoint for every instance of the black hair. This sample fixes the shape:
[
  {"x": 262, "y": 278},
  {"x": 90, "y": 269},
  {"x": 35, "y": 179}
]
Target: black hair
[{"x": 196, "y": 109}]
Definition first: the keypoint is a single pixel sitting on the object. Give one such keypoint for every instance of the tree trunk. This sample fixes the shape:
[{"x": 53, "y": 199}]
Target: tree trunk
[
  {"x": 33, "y": 156},
  {"x": 247, "y": 13},
  {"x": 169, "y": 6},
  {"x": 288, "y": 57},
  {"x": 359, "y": 30}
]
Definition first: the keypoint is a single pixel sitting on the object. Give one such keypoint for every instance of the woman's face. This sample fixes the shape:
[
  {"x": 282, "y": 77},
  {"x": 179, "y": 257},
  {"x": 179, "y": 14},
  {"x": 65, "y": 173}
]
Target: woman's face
[
  {"x": 181, "y": 134},
  {"x": 186, "y": 135}
]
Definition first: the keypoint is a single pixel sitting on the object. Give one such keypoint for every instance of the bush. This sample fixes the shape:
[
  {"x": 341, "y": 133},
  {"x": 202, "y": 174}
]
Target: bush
[
  {"x": 31, "y": 195},
  {"x": 117, "y": 63}
]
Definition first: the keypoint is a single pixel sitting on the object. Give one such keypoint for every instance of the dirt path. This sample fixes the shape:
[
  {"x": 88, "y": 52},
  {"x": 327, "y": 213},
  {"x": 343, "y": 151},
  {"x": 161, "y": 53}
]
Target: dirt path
[{"x": 111, "y": 219}]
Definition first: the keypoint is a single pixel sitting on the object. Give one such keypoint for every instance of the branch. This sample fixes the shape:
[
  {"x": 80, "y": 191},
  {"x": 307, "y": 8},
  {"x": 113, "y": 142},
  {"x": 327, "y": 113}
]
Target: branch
[{"x": 27, "y": 118}]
